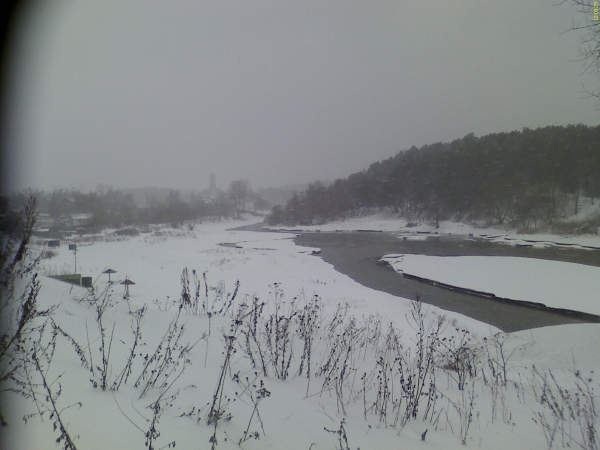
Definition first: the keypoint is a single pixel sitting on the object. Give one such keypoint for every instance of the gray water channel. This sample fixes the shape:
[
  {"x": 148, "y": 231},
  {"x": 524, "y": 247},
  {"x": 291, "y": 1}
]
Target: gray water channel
[{"x": 357, "y": 255}]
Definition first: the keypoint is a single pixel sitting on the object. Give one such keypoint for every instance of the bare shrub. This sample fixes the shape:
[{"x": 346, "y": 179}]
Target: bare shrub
[
  {"x": 307, "y": 321},
  {"x": 151, "y": 434},
  {"x": 102, "y": 371},
  {"x": 255, "y": 392},
  {"x": 192, "y": 301},
  {"x": 341, "y": 436},
  {"x": 136, "y": 328},
  {"x": 570, "y": 414},
  {"x": 168, "y": 361},
  {"x": 218, "y": 408},
  {"x": 20, "y": 317},
  {"x": 417, "y": 374},
  {"x": 268, "y": 341},
  {"x": 464, "y": 406},
  {"x": 497, "y": 352},
  {"x": 338, "y": 368},
  {"x": 128, "y": 231},
  {"x": 389, "y": 358},
  {"x": 37, "y": 385},
  {"x": 253, "y": 346},
  {"x": 458, "y": 356},
  {"x": 279, "y": 333}
]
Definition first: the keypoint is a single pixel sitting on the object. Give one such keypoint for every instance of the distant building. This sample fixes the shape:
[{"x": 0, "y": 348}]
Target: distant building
[
  {"x": 212, "y": 192},
  {"x": 213, "y": 182},
  {"x": 44, "y": 221},
  {"x": 80, "y": 220}
]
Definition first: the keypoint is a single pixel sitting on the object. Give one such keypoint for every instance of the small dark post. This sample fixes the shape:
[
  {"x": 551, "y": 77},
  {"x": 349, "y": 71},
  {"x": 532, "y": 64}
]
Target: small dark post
[{"x": 73, "y": 247}]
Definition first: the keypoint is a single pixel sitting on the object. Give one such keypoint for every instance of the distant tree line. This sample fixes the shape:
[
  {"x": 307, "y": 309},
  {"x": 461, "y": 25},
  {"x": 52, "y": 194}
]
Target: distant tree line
[
  {"x": 520, "y": 177},
  {"x": 117, "y": 208}
]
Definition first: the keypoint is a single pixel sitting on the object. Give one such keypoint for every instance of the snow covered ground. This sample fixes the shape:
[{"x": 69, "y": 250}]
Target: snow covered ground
[
  {"x": 552, "y": 283},
  {"x": 298, "y": 411},
  {"x": 392, "y": 223}
]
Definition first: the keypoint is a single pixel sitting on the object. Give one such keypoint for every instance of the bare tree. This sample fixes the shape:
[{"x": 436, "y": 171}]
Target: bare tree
[
  {"x": 239, "y": 191},
  {"x": 589, "y": 50}
]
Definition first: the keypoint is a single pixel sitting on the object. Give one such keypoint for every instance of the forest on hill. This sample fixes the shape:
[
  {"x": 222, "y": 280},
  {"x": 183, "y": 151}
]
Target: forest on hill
[{"x": 523, "y": 178}]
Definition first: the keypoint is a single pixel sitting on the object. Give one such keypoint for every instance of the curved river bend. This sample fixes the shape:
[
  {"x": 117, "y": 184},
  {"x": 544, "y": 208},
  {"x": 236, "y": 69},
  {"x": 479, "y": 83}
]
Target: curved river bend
[{"x": 357, "y": 255}]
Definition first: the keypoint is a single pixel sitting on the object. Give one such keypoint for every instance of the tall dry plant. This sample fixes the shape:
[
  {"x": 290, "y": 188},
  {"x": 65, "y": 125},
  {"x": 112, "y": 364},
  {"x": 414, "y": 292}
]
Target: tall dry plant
[{"x": 20, "y": 316}]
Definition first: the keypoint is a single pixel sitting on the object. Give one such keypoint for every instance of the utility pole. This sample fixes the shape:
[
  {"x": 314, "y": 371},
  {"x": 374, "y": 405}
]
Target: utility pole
[{"x": 74, "y": 248}]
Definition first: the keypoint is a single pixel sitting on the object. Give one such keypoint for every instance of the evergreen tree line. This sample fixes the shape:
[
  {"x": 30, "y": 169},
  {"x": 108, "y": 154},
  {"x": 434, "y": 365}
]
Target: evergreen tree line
[{"x": 522, "y": 178}]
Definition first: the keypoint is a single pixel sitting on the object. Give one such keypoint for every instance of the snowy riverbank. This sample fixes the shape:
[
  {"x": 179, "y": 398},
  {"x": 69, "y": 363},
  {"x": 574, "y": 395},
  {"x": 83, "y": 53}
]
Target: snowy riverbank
[
  {"x": 555, "y": 284},
  {"x": 392, "y": 223},
  {"x": 297, "y": 408}
]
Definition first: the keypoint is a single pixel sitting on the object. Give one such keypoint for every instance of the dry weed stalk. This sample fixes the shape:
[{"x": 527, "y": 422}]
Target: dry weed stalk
[{"x": 20, "y": 317}]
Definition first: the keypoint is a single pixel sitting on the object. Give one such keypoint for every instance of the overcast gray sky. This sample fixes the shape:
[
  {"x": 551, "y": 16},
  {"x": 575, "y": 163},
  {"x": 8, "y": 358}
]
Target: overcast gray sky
[{"x": 161, "y": 93}]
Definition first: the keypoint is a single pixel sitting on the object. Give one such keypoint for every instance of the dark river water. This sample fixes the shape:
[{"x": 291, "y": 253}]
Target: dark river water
[{"x": 357, "y": 255}]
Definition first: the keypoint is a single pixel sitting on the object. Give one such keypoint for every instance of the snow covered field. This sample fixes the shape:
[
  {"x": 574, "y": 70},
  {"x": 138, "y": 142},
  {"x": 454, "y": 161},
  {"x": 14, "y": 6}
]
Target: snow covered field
[{"x": 355, "y": 374}]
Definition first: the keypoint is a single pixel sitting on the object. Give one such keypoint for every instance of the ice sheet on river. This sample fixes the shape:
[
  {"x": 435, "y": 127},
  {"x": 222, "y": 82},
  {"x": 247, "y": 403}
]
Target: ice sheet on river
[{"x": 555, "y": 284}]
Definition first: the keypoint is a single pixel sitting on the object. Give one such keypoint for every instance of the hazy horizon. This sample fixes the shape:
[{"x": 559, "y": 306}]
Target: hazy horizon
[{"x": 137, "y": 95}]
